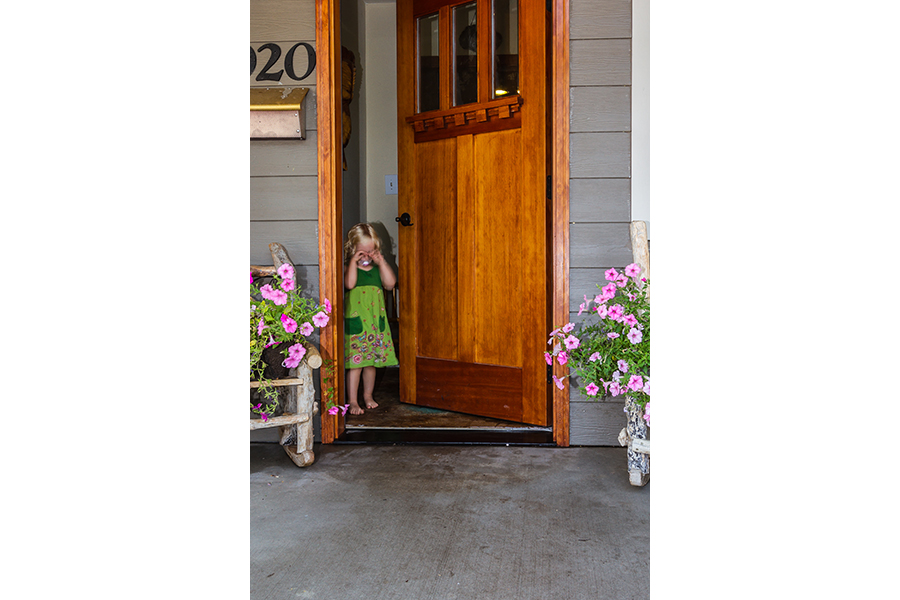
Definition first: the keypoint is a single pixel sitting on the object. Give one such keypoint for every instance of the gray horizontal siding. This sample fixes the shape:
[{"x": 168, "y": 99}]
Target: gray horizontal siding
[
  {"x": 594, "y": 244},
  {"x": 600, "y": 180},
  {"x": 284, "y": 198},
  {"x": 299, "y": 238},
  {"x": 600, "y": 109},
  {"x": 600, "y": 200},
  {"x": 603, "y": 19},
  {"x": 600, "y": 62},
  {"x": 600, "y": 155},
  {"x": 595, "y": 423},
  {"x": 284, "y": 157}
]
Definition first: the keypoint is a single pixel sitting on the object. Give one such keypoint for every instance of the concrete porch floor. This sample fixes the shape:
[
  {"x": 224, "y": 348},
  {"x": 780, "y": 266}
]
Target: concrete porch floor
[{"x": 398, "y": 522}]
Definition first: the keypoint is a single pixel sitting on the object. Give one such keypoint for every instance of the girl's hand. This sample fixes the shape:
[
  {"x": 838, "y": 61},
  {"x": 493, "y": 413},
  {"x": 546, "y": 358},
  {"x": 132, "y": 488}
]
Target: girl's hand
[
  {"x": 360, "y": 256},
  {"x": 377, "y": 258}
]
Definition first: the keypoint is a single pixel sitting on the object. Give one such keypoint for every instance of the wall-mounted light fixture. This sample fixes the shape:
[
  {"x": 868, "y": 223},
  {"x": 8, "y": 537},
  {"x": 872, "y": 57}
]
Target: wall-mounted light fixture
[{"x": 277, "y": 113}]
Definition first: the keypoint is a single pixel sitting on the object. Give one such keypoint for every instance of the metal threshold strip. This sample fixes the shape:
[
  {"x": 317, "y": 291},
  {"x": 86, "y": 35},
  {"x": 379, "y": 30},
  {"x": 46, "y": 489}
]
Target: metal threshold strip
[{"x": 524, "y": 436}]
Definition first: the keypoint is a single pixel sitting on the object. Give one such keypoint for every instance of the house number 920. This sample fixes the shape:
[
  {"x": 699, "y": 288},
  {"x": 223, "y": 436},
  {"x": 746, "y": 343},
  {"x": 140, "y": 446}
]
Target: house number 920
[{"x": 271, "y": 54}]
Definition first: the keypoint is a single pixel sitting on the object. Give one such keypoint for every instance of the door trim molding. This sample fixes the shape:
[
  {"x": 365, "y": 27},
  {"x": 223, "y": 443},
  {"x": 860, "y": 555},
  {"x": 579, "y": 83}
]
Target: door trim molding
[
  {"x": 559, "y": 284},
  {"x": 329, "y": 171}
]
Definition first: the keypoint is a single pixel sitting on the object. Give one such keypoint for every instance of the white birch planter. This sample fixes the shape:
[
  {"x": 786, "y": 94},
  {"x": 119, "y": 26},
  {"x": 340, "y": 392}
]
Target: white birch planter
[{"x": 634, "y": 435}]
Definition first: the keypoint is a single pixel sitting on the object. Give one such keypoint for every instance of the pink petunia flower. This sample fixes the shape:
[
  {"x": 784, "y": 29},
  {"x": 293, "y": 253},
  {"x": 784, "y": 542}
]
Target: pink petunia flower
[
  {"x": 558, "y": 382},
  {"x": 286, "y": 271},
  {"x": 327, "y": 305},
  {"x": 616, "y": 312},
  {"x": 298, "y": 350},
  {"x": 646, "y": 389},
  {"x": 594, "y": 357},
  {"x": 612, "y": 335},
  {"x": 291, "y": 362},
  {"x": 563, "y": 358},
  {"x": 602, "y": 311},
  {"x": 615, "y": 389},
  {"x": 260, "y": 327},
  {"x": 568, "y": 327},
  {"x": 279, "y": 298},
  {"x": 287, "y": 285},
  {"x": 623, "y": 366},
  {"x": 306, "y": 329},
  {"x": 264, "y": 416},
  {"x": 630, "y": 320},
  {"x": 647, "y": 414},
  {"x": 592, "y": 389},
  {"x": 344, "y": 409},
  {"x": 288, "y": 323},
  {"x": 251, "y": 276},
  {"x": 621, "y": 280},
  {"x": 581, "y": 308},
  {"x": 333, "y": 410},
  {"x": 266, "y": 291},
  {"x": 548, "y": 358},
  {"x": 611, "y": 274},
  {"x": 633, "y": 270},
  {"x": 635, "y": 336},
  {"x": 572, "y": 342},
  {"x": 636, "y": 383},
  {"x": 320, "y": 319}
]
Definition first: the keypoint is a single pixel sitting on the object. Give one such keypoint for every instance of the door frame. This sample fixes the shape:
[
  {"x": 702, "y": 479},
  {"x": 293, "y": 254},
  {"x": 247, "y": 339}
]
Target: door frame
[{"x": 329, "y": 171}]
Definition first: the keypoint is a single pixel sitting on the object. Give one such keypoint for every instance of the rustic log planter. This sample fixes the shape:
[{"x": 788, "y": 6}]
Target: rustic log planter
[{"x": 295, "y": 425}]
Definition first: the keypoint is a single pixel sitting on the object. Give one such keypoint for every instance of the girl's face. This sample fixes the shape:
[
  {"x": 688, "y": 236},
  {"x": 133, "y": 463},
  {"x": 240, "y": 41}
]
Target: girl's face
[{"x": 367, "y": 247}]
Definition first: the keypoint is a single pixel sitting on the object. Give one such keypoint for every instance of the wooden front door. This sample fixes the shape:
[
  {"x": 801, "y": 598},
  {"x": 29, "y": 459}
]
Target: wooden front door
[{"x": 472, "y": 144}]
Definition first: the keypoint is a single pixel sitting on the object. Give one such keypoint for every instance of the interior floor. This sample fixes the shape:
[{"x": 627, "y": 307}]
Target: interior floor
[{"x": 393, "y": 414}]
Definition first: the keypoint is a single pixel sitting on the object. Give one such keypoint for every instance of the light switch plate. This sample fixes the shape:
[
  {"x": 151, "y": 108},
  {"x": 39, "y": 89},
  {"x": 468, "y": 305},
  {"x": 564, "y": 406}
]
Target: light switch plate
[{"x": 390, "y": 184}]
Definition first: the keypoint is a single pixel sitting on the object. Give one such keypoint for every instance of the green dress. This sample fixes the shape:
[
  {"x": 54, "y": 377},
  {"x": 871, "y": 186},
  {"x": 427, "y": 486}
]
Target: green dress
[{"x": 367, "y": 336}]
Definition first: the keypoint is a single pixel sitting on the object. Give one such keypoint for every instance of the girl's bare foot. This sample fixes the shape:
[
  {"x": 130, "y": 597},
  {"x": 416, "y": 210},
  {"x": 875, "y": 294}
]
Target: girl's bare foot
[
  {"x": 356, "y": 410},
  {"x": 370, "y": 403}
]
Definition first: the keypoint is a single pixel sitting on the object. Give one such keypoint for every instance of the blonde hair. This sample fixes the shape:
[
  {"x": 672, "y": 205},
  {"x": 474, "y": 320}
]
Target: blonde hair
[{"x": 357, "y": 234}]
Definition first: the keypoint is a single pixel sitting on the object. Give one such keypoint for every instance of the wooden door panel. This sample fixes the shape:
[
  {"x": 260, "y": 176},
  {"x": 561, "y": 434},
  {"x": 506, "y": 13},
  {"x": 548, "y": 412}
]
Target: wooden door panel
[
  {"x": 436, "y": 268},
  {"x": 498, "y": 248},
  {"x": 487, "y": 390}
]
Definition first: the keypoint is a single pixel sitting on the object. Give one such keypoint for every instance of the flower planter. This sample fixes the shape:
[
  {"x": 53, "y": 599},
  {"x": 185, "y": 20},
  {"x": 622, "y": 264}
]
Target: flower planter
[
  {"x": 635, "y": 436},
  {"x": 295, "y": 424}
]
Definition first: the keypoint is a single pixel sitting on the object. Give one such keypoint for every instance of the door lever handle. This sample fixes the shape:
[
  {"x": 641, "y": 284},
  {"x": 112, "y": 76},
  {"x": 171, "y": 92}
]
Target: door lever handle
[{"x": 404, "y": 220}]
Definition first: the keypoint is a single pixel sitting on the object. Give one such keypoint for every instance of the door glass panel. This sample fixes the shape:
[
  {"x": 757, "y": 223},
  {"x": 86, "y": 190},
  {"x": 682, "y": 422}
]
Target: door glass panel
[
  {"x": 465, "y": 55},
  {"x": 429, "y": 64},
  {"x": 506, "y": 48}
]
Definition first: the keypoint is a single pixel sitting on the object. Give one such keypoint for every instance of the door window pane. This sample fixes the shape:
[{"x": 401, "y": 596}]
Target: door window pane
[
  {"x": 465, "y": 55},
  {"x": 506, "y": 48},
  {"x": 429, "y": 64}
]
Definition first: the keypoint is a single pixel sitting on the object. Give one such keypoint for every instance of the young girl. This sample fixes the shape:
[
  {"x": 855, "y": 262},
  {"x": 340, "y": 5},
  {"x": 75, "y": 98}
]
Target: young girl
[{"x": 367, "y": 337}]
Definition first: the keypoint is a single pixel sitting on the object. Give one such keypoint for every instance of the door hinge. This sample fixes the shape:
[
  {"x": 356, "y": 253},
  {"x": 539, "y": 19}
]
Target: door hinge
[
  {"x": 549, "y": 187},
  {"x": 549, "y": 373}
]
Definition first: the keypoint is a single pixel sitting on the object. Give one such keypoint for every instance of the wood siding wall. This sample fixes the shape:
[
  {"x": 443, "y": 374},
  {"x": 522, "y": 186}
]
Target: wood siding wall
[
  {"x": 283, "y": 182},
  {"x": 600, "y": 179}
]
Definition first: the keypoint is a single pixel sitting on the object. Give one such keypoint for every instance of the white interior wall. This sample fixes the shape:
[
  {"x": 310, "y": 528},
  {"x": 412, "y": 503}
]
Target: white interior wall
[
  {"x": 378, "y": 97},
  {"x": 640, "y": 112}
]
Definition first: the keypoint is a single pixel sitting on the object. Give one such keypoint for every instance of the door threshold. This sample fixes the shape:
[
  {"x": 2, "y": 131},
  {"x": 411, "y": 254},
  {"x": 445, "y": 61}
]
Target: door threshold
[{"x": 445, "y": 435}]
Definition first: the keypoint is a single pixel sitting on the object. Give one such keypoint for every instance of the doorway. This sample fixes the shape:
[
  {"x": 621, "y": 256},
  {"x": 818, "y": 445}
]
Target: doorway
[{"x": 418, "y": 415}]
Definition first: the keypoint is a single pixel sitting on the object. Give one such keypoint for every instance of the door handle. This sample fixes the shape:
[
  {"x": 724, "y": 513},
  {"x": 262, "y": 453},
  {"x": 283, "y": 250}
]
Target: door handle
[{"x": 404, "y": 220}]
